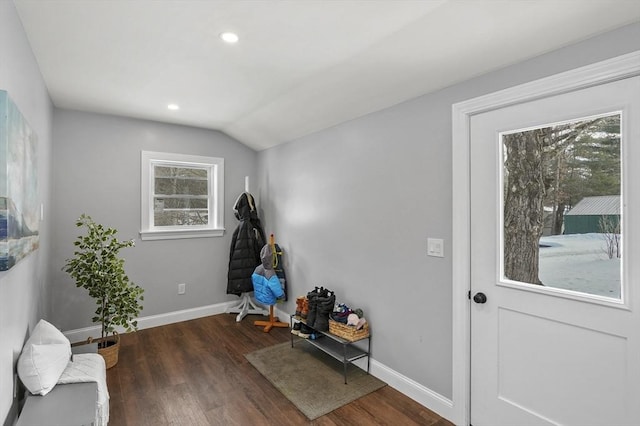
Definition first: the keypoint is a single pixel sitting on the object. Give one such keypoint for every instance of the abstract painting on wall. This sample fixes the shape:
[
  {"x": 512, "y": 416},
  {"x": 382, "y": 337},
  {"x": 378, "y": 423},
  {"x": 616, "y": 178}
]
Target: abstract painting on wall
[{"x": 19, "y": 206}]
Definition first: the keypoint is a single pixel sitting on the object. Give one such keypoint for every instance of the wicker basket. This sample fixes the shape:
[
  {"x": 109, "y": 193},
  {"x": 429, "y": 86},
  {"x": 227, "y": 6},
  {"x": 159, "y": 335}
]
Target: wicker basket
[
  {"x": 348, "y": 332},
  {"x": 110, "y": 352}
]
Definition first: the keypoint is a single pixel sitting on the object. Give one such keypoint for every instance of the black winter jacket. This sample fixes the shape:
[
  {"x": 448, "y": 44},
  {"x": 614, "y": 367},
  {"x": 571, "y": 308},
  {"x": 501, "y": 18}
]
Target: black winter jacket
[{"x": 246, "y": 243}]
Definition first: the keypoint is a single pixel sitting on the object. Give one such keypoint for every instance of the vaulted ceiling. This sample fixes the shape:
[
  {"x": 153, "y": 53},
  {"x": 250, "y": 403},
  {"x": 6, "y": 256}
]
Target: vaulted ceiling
[{"x": 299, "y": 65}]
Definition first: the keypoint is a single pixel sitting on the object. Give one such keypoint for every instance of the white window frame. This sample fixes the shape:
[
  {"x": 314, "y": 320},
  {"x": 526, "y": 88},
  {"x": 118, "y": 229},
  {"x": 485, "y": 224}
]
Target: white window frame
[{"x": 215, "y": 165}]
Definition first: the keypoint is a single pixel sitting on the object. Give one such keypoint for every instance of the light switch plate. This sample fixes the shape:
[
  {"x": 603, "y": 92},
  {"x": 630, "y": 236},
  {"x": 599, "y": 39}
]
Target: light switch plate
[{"x": 435, "y": 247}]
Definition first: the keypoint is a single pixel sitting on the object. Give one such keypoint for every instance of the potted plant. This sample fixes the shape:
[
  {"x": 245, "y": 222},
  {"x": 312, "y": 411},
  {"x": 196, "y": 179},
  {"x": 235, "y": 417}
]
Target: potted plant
[{"x": 97, "y": 267}]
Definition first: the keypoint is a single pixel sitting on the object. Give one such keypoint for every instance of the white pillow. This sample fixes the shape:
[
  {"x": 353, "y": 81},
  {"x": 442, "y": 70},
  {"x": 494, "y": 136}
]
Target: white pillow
[{"x": 44, "y": 357}]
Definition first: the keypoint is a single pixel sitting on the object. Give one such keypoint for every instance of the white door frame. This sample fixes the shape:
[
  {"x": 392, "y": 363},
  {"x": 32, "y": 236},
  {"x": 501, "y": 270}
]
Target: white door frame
[{"x": 599, "y": 73}]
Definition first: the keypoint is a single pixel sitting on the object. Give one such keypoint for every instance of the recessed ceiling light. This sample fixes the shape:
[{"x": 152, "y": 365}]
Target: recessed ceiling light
[
  {"x": 173, "y": 107},
  {"x": 229, "y": 37}
]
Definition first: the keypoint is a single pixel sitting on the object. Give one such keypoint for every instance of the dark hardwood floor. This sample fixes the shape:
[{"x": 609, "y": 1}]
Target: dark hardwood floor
[{"x": 194, "y": 373}]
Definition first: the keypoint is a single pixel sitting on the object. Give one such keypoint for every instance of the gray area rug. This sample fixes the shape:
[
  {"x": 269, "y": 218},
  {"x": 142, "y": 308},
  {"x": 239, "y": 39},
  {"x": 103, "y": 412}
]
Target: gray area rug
[{"x": 312, "y": 380}]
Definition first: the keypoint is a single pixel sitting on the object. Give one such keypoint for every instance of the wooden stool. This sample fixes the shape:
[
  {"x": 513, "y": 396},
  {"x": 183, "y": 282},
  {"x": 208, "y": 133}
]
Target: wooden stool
[{"x": 273, "y": 322}]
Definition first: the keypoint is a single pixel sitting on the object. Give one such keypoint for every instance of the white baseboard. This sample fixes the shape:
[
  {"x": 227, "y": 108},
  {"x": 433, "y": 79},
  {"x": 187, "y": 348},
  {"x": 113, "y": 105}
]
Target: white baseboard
[
  {"x": 414, "y": 390},
  {"x": 421, "y": 394},
  {"x": 82, "y": 334},
  {"x": 282, "y": 315}
]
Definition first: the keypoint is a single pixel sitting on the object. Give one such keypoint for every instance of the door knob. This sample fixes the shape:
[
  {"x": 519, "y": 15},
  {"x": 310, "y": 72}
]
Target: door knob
[{"x": 480, "y": 298}]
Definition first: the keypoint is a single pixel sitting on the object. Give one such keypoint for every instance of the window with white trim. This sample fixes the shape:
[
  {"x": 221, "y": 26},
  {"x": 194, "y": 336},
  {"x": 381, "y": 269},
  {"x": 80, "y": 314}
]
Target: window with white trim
[{"x": 182, "y": 196}]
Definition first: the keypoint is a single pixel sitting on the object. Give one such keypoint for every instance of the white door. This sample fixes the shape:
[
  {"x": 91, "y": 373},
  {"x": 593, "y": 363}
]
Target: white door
[{"x": 566, "y": 352}]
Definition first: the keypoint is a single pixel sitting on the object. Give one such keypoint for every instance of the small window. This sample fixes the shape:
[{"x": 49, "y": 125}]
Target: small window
[{"x": 182, "y": 196}]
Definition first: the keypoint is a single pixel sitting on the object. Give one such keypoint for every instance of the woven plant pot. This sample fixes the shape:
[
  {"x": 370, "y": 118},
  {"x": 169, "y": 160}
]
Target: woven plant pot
[{"x": 110, "y": 351}]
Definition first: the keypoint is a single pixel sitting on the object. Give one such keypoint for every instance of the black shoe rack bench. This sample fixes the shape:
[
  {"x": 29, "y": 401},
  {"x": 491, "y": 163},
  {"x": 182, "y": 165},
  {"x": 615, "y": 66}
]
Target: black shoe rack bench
[{"x": 341, "y": 349}]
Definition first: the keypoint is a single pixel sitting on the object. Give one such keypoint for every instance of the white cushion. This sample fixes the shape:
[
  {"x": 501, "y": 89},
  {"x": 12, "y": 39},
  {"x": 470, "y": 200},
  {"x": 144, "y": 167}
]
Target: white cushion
[{"x": 44, "y": 357}]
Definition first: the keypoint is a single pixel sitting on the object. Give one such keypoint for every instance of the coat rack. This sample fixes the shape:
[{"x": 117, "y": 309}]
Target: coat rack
[{"x": 246, "y": 305}]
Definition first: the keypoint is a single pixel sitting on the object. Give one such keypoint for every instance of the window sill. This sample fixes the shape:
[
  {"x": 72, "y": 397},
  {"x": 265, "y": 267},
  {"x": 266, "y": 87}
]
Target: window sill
[{"x": 175, "y": 234}]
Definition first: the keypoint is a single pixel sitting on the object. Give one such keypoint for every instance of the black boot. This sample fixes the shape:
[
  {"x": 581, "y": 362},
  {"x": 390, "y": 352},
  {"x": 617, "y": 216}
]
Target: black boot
[
  {"x": 324, "y": 308},
  {"x": 312, "y": 298}
]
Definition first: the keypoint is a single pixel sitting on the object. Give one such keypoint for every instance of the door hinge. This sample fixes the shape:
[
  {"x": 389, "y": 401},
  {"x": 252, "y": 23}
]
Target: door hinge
[{"x": 469, "y": 295}]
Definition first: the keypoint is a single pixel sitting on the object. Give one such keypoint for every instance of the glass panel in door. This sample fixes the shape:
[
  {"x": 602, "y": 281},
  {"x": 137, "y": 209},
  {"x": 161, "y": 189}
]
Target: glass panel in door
[{"x": 561, "y": 206}]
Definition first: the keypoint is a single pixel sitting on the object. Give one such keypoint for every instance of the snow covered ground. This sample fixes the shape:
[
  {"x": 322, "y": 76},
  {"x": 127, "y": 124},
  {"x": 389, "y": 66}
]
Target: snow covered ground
[{"x": 579, "y": 262}]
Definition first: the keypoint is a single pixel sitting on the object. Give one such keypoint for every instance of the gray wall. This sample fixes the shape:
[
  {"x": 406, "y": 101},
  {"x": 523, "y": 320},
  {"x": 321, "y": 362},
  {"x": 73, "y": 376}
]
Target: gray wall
[
  {"x": 97, "y": 171},
  {"x": 353, "y": 206},
  {"x": 24, "y": 289}
]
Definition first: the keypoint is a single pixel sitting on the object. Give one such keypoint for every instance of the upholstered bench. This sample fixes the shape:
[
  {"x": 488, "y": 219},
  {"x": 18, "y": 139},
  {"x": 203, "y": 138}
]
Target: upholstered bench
[
  {"x": 66, "y": 388},
  {"x": 65, "y": 405}
]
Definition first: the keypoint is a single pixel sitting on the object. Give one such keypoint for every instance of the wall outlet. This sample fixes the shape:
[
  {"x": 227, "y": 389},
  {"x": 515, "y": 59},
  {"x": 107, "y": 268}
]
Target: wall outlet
[{"x": 182, "y": 288}]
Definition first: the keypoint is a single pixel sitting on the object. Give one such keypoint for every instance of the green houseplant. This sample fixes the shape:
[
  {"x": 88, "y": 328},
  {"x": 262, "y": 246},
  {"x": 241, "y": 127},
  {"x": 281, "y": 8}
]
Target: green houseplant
[{"x": 97, "y": 267}]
